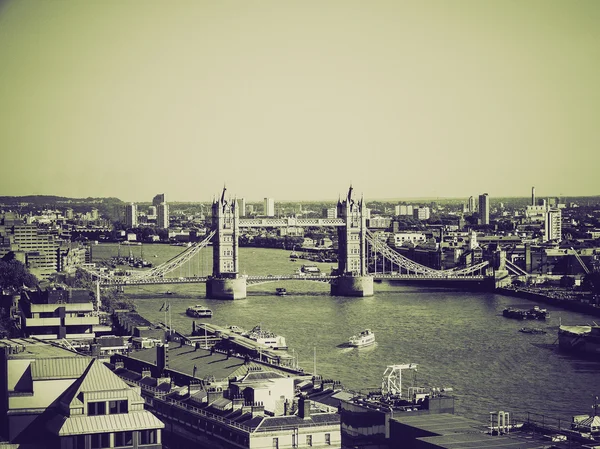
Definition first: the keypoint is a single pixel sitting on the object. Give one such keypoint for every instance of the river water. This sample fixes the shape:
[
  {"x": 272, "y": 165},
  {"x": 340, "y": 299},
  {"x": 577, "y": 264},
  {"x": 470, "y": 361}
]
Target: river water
[{"x": 459, "y": 339}]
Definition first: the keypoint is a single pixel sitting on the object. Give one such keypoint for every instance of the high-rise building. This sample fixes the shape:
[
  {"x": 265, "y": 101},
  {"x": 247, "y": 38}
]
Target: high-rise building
[
  {"x": 162, "y": 216},
  {"x": 553, "y": 225},
  {"x": 421, "y": 213},
  {"x": 403, "y": 209},
  {"x": 269, "y": 207},
  {"x": 152, "y": 211},
  {"x": 330, "y": 212},
  {"x": 158, "y": 199},
  {"x": 94, "y": 214},
  {"x": 241, "y": 205},
  {"x": 533, "y": 196},
  {"x": 131, "y": 215},
  {"x": 484, "y": 209},
  {"x": 69, "y": 213},
  {"x": 471, "y": 205}
]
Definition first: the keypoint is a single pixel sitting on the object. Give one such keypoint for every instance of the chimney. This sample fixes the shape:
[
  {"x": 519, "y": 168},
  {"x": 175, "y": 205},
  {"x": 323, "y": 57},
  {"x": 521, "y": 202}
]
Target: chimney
[
  {"x": 327, "y": 385},
  {"x": 257, "y": 409},
  {"x": 145, "y": 372},
  {"x": 303, "y": 408},
  {"x": 237, "y": 402},
  {"x": 213, "y": 394},
  {"x": 119, "y": 364}
]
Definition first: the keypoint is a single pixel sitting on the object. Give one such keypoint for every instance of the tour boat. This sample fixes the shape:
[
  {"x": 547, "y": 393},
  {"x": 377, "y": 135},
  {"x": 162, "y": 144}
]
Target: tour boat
[
  {"x": 267, "y": 338},
  {"x": 199, "y": 311},
  {"x": 365, "y": 338}
]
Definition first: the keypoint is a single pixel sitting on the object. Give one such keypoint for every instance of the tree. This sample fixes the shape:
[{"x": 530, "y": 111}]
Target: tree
[
  {"x": 591, "y": 282},
  {"x": 14, "y": 274},
  {"x": 567, "y": 282}
]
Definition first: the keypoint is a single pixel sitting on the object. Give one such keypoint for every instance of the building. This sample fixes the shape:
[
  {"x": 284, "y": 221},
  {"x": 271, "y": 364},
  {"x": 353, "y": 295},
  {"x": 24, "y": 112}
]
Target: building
[
  {"x": 484, "y": 209},
  {"x": 269, "y": 207},
  {"x": 421, "y": 213},
  {"x": 54, "y": 398},
  {"x": 471, "y": 207},
  {"x": 131, "y": 219},
  {"x": 37, "y": 249},
  {"x": 57, "y": 313},
  {"x": 404, "y": 209},
  {"x": 330, "y": 212},
  {"x": 241, "y": 204},
  {"x": 406, "y": 238},
  {"x": 222, "y": 400},
  {"x": 162, "y": 216},
  {"x": 553, "y": 225},
  {"x": 158, "y": 199}
]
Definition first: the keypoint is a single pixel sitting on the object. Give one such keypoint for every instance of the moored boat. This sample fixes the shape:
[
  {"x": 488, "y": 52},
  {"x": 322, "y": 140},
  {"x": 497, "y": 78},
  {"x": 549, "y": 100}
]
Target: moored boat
[
  {"x": 581, "y": 339},
  {"x": 365, "y": 338},
  {"x": 265, "y": 337},
  {"x": 199, "y": 311},
  {"x": 281, "y": 292},
  {"x": 535, "y": 313}
]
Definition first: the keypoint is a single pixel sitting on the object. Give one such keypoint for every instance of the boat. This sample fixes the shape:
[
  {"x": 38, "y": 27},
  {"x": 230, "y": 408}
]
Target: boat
[
  {"x": 281, "y": 292},
  {"x": 532, "y": 330},
  {"x": 168, "y": 292},
  {"x": 581, "y": 339},
  {"x": 535, "y": 313},
  {"x": 265, "y": 337},
  {"x": 311, "y": 269},
  {"x": 199, "y": 311},
  {"x": 365, "y": 338},
  {"x": 236, "y": 329}
]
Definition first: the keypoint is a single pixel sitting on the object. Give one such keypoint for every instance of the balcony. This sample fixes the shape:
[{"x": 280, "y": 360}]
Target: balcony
[
  {"x": 82, "y": 321},
  {"x": 42, "y": 322}
]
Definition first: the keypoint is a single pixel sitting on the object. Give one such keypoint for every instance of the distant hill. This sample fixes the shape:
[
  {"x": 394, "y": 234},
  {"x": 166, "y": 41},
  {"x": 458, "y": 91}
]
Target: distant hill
[{"x": 42, "y": 200}]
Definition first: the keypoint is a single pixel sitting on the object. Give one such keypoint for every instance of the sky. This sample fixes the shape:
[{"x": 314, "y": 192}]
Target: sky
[{"x": 296, "y": 100}]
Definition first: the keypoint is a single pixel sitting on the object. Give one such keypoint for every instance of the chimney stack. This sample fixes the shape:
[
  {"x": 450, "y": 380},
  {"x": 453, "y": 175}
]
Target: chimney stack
[{"x": 303, "y": 408}]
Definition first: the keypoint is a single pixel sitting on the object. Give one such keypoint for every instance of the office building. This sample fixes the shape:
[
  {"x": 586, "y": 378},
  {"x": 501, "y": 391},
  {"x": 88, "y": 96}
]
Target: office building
[
  {"x": 37, "y": 249},
  {"x": 162, "y": 216},
  {"x": 484, "y": 209},
  {"x": 330, "y": 212},
  {"x": 131, "y": 219},
  {"x": 404, "y": 209},
  {"x": 421, "y": 213},
  {"x": 533, "y": 196},
  {"x": 553, "y": 225},
  {"x": 269, "y": 207}
]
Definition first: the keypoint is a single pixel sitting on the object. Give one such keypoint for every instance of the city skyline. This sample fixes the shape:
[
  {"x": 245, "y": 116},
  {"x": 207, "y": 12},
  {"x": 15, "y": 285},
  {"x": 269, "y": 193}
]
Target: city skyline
[{"x": 296, "y": 101}]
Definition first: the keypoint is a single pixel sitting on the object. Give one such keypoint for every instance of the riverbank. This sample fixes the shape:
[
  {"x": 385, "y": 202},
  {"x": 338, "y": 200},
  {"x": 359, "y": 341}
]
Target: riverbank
[{"x": 565, "y": 299}]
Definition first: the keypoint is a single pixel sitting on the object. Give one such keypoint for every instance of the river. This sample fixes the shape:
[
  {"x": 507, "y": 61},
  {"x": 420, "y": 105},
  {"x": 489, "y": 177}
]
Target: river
[{"x": 459, "y": 339}]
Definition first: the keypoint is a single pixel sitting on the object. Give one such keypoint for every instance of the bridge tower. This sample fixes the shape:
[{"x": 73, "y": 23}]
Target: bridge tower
[
  {"x": 225, "y": 282},
  {"x": 354, "y": 279}
]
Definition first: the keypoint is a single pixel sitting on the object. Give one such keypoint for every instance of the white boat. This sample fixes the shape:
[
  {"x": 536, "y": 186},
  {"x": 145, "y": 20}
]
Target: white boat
[
  {"x": 365, "y": 338},
  {"x": 266, "y": 338},
  {"x": 199, "y": 311}
]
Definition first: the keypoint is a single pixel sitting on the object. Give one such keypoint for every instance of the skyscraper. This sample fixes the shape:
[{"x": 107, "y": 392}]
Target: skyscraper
[
  {"x": 553, "y": 224},
  {"x": 162, "y": 216},
  {"x": 241, "y": 205},
  {"x": 471, "y": 205},
  {"x": 269, "y": 207},
  {"x": 131, "y": 215},
  {"x": 158, "y": 199},
  {"x": 533, "y": 196},
  {"x": 484, "y": 209}
]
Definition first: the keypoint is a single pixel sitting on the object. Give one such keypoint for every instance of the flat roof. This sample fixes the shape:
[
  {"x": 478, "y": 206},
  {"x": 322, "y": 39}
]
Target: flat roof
[
  {"x": 440, "y": 423},
  {"x": 29, "y": 348}
]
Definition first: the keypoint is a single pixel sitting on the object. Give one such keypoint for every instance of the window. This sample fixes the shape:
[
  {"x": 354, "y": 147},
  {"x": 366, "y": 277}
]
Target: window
[
  {"x": 275, "y": 443},
  {"x": 123, "y": 439},
  {"x": 327, "y": 438},
  {"x": 100, "y": 440},
  {"x": 309, "y": 440},
  {"x": 96, "y": 408},
  {"x": 79, "y": 442},
  {"x": 115, "y": 407},
  {"x": 148, "y": 436}
]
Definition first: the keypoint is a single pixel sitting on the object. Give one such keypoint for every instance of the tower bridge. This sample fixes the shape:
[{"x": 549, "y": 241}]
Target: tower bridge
[{"x": 356, "y": 244}]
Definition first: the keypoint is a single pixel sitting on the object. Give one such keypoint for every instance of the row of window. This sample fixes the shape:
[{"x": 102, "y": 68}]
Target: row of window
[
  {"x": 120, "y": 439},
  {"x": 296, "y": 443},
  {"x": 114, "y": 408}
]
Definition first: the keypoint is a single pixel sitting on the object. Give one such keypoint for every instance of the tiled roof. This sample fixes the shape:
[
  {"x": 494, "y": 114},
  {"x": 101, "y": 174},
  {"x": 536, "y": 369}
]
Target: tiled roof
[
  {"x": 59, "y": 368},
  {"x": 82, "y": 424}
]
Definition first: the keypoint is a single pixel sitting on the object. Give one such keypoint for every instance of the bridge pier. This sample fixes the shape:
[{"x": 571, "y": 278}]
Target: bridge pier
[
  {"x": 352, "y": 286},
  {"x": 226, "y": 288}
]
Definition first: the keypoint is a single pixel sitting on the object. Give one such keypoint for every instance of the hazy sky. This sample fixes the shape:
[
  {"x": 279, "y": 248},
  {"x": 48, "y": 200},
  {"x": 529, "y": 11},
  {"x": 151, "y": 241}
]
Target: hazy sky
[{"x": 297, "y": 99}]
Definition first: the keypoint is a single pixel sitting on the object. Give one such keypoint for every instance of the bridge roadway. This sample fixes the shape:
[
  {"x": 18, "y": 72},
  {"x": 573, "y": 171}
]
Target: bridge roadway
[{"x": 272, "y": 278}]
